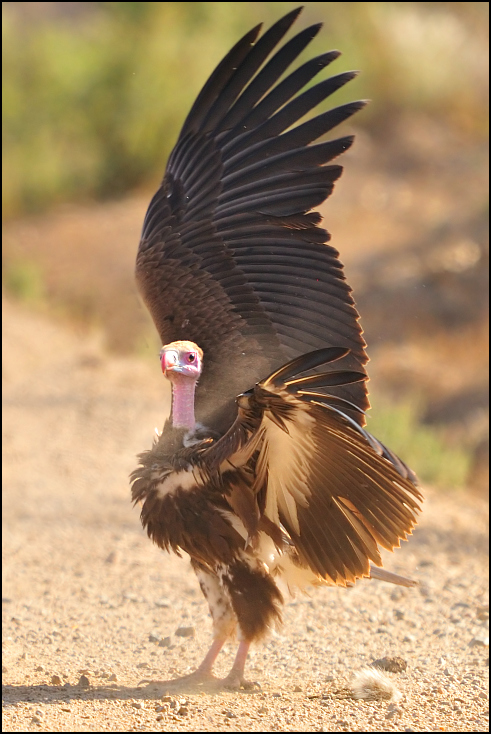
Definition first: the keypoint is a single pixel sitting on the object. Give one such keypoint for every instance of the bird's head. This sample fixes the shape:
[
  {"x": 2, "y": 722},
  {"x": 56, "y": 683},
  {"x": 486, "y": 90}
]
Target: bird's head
[
  {"x": 183, "y": 359},
  {"x": 182, "y": 363}
]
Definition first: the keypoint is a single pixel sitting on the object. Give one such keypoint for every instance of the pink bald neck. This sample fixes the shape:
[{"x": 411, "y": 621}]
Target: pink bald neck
[{"x": 183, "y": 388}]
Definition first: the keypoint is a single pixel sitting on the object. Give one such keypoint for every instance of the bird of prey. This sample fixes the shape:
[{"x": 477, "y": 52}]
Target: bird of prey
[{"x": 264, "y": 473}]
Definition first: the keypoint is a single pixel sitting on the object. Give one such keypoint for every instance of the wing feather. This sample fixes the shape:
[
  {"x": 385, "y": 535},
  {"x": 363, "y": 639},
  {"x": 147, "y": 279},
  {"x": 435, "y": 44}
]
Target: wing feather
[
  {"x": 247, "y": 113},
  {"x": 231, "y": 255},
  {"x": 319, "y": 475}
]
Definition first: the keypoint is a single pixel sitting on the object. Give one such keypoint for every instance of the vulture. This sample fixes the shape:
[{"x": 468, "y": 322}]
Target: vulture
[{"x": 264, "y": 473}]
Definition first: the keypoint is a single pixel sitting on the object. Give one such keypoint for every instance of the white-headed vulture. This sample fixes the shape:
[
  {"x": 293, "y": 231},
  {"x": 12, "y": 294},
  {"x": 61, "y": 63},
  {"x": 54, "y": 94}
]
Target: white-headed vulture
[{"x": 263, "y": 473}]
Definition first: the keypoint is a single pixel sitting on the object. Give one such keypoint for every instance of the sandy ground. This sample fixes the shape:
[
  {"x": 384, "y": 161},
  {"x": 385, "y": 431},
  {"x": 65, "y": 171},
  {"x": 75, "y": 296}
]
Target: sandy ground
[{"x": 88, "y": 602}]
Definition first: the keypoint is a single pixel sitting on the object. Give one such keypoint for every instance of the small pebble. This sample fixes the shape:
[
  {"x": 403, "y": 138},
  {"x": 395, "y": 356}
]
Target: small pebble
[
  {"x": 166, "y": 642},
  {"x": 481, "y": 640},
  {"x": 183, "y": 711},
  {"x": 131, "y": 597},
  {"x": 154, "y": 637},
  {"x": 392, "y": 665},
  {"x": 113, "y": 677},
  {"x": 185, "y": 632},
  {"x": 137, "y": 705},
  {"x": 36, "y": 720},
  {"x": 56, "y": 680},
  {"x": 83, "y": 682}
]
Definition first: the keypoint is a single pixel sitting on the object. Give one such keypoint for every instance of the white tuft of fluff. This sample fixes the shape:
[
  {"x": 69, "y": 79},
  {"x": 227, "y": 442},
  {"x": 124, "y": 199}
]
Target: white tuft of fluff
[{"x": 372, "y": 684}]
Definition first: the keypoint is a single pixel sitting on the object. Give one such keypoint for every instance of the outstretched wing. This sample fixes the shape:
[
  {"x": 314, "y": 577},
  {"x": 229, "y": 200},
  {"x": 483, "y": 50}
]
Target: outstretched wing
[
  {"x": 316, "y": 474},
  {"x": 231, "y": 255}
]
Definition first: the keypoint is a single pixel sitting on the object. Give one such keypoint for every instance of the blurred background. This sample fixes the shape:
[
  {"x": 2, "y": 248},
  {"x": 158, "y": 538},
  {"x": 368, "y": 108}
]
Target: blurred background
[{"x": 94, "y": 95}]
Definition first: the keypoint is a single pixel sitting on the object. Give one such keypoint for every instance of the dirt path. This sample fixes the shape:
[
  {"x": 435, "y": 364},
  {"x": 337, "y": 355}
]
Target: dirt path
[{"x": 87, "y": 598}]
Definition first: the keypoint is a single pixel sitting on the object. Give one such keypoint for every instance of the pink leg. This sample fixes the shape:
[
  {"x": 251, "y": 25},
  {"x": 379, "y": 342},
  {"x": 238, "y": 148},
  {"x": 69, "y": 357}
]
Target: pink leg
[
  {"x": 202, "y": 676},
  {"x": 210, "y": 657},
  {"x": 235, "y": 679}
]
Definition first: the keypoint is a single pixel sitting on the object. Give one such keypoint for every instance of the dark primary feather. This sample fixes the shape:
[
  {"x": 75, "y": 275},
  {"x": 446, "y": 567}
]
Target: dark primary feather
[
  {"x": 303, "y": 363},
  {"x": 231, "y": 255}
]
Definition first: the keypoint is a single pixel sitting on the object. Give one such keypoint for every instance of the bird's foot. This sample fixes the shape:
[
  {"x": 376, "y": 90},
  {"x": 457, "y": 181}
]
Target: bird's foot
[
  {"x": 199, "y": 679},
  {"x": 236, "y": 682}
]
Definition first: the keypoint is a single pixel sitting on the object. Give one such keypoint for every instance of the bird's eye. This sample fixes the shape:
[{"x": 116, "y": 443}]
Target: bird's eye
[{"x": 191, "y": 357}]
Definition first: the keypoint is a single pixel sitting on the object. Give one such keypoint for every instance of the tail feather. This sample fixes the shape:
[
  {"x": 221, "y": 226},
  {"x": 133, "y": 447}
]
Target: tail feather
[{"x": 381, "y": 574}]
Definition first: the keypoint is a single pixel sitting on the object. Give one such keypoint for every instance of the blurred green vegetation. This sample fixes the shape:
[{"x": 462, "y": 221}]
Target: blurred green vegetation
[
  {"x": 24, "y": 280},
  {"x": 94, "y": 93},
  {"x": 426, "y": 449}
]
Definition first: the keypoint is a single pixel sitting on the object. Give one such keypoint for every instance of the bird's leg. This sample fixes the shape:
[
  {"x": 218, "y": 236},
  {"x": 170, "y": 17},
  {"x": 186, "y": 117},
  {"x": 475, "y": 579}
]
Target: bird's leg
[
  {"x": 201, "y": 676},
  {"x": 206, "y": 666},
  {"x": 235, "y": 679},
  {"x": 223, "y": 624}
]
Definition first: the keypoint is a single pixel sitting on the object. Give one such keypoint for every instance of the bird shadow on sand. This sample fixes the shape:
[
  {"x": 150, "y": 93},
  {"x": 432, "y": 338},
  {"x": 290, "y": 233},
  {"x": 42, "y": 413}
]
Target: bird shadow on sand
[{"x": 153, "y": 690}]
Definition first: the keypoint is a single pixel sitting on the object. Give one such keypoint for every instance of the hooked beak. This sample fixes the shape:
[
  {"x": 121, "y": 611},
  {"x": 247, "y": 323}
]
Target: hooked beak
[
  {"x": 172, "y": 365},
  {"x": 169, "y": 361},
  {"x": 180, "y": 361}
]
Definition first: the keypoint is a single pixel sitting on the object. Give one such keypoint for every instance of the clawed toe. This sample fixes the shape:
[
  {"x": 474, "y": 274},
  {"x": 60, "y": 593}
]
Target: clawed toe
[{"x": 236, "y": 683}]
